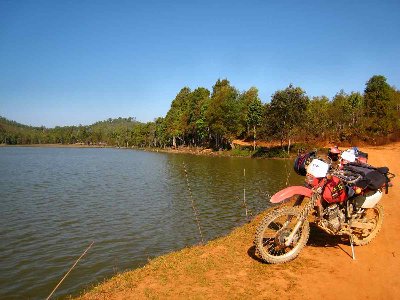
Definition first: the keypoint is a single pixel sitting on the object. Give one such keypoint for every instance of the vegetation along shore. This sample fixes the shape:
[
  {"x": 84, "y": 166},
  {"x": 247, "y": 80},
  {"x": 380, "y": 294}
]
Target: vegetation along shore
[{"x": 214, "y": 119}]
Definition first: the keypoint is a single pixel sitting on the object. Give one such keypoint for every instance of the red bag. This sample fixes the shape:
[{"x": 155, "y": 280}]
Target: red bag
[{"x": 335, "y": 191}]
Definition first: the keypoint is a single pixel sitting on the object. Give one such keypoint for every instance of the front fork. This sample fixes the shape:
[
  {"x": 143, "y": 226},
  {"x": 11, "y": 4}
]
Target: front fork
[{"x": 303, "y": 216}]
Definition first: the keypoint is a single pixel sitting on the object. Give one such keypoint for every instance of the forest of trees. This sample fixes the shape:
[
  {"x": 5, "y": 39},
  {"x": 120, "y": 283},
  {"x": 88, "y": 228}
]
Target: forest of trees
[{"x": 203, "y": 118}]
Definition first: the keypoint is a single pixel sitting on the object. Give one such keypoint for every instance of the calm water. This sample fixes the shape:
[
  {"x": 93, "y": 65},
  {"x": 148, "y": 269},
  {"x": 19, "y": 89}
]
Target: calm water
[{"x": 134, "y": 205}]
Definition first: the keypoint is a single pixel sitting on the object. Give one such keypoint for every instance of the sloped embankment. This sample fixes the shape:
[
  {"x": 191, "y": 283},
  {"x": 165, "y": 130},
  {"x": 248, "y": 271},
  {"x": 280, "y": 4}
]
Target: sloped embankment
[{"x": 227, "y": 268}]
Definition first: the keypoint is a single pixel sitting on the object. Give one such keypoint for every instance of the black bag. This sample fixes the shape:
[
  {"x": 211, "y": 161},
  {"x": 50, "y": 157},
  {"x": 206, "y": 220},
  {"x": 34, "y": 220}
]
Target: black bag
[{"x": 373, "y": 178}]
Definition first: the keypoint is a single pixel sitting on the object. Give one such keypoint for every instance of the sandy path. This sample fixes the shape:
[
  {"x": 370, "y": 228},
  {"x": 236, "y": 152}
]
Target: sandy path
[
  {"x": 227, "y": 268},
  {"x": 375, "y": 274}
]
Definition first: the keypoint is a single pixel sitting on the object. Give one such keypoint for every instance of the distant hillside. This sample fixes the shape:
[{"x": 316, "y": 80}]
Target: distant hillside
[{"x": 120, "y": 131}]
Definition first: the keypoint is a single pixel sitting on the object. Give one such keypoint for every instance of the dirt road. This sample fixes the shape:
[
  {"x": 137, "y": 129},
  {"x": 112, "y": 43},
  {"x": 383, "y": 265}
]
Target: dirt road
[
  {"x": 228, "y": 269},
  {"x": 375, "y": 274}
]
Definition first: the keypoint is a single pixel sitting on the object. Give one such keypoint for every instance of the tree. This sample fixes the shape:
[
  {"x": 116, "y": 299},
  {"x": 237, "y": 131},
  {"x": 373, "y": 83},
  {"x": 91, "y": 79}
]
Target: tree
[
  {"x": 198, "y": 124},
  {"x": 356, "y": 102},
  {"x": 223, "y": 113},
  {"x": 178, "y": 116},
  {"x": 377, "y": 96},
  {"x": 317, "y": 117},
  {"x": 287, "y": 110},
  {"x": 254, "y": 113},
  {"x": 160, "y": 139},
  {"x": 379, "y": 105}
]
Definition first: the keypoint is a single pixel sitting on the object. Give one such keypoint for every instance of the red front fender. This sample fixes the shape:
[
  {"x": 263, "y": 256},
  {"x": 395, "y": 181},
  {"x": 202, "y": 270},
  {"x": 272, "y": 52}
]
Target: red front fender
[{"x": 290, "y": 192}]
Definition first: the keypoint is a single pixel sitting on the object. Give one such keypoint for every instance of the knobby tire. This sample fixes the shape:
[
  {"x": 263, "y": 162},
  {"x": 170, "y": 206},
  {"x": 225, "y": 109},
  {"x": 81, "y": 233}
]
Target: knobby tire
[
  {"x": 268, "y": 223},
  {"x": 361, "y": 240}
]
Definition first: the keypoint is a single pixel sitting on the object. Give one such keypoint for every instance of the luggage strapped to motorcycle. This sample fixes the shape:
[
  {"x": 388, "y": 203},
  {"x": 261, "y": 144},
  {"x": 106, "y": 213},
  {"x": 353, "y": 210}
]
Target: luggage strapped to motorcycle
[{"x": 372, "y": 177}]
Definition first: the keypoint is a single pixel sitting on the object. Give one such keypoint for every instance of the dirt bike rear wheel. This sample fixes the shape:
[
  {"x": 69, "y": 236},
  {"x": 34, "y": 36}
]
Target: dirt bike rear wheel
[
  {"x": 273, "y": 231},
  {"x": 374, "y": 218}
]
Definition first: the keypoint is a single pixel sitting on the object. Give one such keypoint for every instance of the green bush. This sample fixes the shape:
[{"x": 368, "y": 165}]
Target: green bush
[
  {"x": 241, "y": 152},
  {"x": 274, "y": 152}
]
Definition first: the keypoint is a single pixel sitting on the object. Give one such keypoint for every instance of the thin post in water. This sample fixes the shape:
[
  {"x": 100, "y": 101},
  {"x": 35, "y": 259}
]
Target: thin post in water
[
  {"x": 244, "y": 192},
  {"x": 65, "y": 276},
  {"x": 287, "y": 173},
  {"x": 193, "y": 204}
]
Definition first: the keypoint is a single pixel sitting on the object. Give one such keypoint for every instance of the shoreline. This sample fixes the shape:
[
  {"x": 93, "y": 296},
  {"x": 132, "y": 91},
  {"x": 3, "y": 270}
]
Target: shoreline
[
  {"x": 228, "y": 267},
  {"x": 270, "y": 150},
  {"x": 54, "y": 146},
  {"x": 207, "y": 152},
  {"x": 242, "y": 150},
  {"x": 180, "y": 150}
]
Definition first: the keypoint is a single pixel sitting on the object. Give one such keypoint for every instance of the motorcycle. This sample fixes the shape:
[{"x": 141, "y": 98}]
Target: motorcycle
[{"x": 340, "y": 200}]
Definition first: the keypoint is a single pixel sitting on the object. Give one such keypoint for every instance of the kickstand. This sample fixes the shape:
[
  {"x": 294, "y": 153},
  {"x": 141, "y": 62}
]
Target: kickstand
[{"x": 352, "y": 246}]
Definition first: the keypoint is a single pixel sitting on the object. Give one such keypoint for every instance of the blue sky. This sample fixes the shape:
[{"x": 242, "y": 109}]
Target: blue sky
[{"x": 78, "y": 62}]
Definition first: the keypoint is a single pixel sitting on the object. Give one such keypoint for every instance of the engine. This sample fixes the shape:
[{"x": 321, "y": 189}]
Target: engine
[{"x": 333, "y": 217}]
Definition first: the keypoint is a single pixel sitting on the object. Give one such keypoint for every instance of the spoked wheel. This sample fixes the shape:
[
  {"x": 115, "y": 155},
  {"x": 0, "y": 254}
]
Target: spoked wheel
[
  {"x": 372, "y": 219},
  {"x": 274, "y": 231}
]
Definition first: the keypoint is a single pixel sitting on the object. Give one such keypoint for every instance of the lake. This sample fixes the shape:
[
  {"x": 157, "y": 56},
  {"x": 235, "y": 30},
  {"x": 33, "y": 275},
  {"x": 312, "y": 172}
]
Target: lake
[{"x": 134, "y": 205}]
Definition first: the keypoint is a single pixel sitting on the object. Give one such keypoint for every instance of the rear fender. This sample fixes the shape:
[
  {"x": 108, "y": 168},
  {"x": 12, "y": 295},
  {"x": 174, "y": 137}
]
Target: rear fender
[{"x": 290, "y": 192}]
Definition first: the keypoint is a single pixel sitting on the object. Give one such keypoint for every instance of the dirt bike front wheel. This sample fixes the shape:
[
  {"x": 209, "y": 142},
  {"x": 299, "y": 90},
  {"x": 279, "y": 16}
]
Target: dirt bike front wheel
[{"x": 273, "y": 232}]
